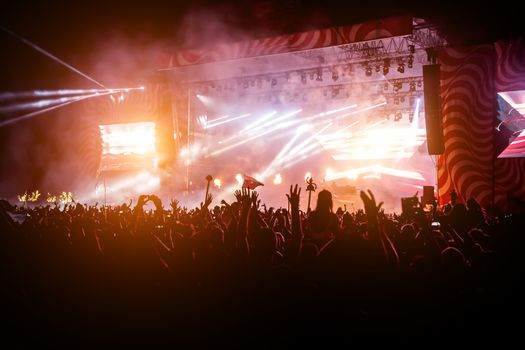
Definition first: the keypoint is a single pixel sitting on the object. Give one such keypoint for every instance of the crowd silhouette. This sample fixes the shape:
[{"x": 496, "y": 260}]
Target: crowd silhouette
[{"x": 124, "y": 276}]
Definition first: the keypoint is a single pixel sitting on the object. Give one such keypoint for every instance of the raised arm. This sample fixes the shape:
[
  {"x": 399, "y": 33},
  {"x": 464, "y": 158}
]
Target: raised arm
[
  {"x": 297, "y": 231},
  {"x": 380, "y": 243}
]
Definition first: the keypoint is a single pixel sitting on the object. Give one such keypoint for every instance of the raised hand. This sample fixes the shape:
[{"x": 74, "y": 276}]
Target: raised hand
[
  {"x": 156, "y": 200},
  {"x": 238, "y": 195},
  {"x": 143, "y": 198},
  {"x": 174, "y": 205},
  {"x": 370, "y": 203},
  {"x": 207, "y": 201},
  {"x": 245, "y": 198},
  {"x": 255, "y": 201},
  {"x": 294, "y": 196}
]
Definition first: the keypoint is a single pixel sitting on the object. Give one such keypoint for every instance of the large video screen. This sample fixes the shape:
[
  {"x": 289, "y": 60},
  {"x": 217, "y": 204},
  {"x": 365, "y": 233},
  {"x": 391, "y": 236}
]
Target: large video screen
[{"x": 127, "y": 146}]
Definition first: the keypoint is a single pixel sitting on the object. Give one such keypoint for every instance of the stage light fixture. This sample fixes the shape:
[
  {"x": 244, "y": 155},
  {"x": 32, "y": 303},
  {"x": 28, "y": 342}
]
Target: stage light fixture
[
  {"x": 386, "y": 70},
  {"x": 410, "y": 62},
  {"x": 401, "y": 68},
  {"x": 411, "y": 49},
  {"x": 378, "y": 68},
  {"x": 303, "y": 78},
  {"x": 385, "y": 86},
  {"x": 412, "y": 86},
  {"x": 335, "y": 76},
  {"x": 396, "y": 100},
  {"x": 368, "y": 71},
  {"x": 319, "y": 75},
  {"x": 419, "y": 84}
]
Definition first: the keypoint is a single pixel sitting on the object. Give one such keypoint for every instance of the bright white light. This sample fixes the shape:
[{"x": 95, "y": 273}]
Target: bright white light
[
  {"x": 195, "y": 149},
  {"x": 277, "y": 180},
  {"x": 204, "y": 99},
  {"x": 239, "y": 178},
  {"x": 340, "y": 109},
  {"x": 307, "y": 176},
  {"x": 217, "y": 183},
  {"x": 129, "y": 138},
  {"x": 214, "y": 123},
  {"x": 261, "y": 120},
  {"x": 304, "y": 127},
  {"x": 142, "y": 88},
  {"x": 274, "y": 121},
  {"x": 329, "y": 173}
]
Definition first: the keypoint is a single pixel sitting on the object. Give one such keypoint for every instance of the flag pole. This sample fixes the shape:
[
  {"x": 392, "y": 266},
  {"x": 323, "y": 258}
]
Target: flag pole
[
  {"x": 208, "y": 178},
  {"x": 310, "y": 188}
]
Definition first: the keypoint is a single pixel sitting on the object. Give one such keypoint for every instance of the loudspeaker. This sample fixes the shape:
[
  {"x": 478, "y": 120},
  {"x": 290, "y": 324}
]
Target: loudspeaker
[
  {"x": 428, "y": 195},
  {"x": 433, "y": 119}
]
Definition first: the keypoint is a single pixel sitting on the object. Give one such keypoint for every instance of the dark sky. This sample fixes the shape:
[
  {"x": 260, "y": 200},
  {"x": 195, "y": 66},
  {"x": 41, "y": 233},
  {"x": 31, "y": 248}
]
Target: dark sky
[{"x": 74, "y": 30}]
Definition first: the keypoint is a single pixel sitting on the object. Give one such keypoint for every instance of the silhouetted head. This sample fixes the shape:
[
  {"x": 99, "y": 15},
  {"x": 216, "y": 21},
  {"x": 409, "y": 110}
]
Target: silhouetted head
[
  {"x": 473, "y": 205},
  {"x": 452, "y": 258},
  {"x": 348, "y": 220},
  {"x": 324, "y": 201}
]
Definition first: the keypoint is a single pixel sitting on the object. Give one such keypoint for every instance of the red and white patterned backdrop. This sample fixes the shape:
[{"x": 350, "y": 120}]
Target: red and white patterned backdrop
[
  {"x": 296, "y": 42},
  {"x": 470, "y": 79},
  {"x": 510, "y": 76},
  {"x": 467, "y": 91}
]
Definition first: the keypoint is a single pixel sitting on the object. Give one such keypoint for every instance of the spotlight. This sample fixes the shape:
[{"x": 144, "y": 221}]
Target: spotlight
[
  {"x": 378, "y": 68},
  {"x": 419, "y": 84},
  {"x": 412, "y": 86},
  {"x": 368, "y": 71},
  {"x": 385, "y": 70},
  {"x": 401, "y": 68},
  {"x": 319, "y": 75},
  {"x": 335, "y": 76}
]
